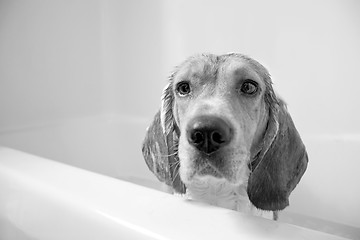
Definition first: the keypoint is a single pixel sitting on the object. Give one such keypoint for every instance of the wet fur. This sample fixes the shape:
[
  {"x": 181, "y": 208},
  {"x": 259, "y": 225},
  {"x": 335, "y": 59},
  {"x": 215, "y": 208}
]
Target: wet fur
[{"x": 263, "y": 179}]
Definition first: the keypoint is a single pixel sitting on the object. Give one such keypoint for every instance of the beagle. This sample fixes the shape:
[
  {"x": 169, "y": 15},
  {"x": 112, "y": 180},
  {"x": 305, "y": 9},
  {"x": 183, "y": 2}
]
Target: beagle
[{"x": 222, "y": 136}]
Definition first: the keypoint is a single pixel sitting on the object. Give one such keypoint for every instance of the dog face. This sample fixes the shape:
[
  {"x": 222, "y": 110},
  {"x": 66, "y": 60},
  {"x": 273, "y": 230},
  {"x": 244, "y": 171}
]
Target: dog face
[
  {"x": 220, "y": 111},
  {"x": 221, "y": 118}
]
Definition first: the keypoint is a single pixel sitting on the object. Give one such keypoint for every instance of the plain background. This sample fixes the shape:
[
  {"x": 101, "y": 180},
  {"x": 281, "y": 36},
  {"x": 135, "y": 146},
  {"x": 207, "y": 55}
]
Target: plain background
[
  {"x": 66, "y": 59},
  {"x": 61, "y": 59}
]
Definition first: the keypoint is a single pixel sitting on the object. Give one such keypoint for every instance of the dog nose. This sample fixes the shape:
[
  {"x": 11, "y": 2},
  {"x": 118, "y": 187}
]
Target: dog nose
[{"x": 208, "y": 133}]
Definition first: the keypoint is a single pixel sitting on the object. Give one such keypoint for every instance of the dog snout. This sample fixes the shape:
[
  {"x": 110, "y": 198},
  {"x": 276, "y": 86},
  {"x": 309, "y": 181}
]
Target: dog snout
[{"x": 208, "y": 133}]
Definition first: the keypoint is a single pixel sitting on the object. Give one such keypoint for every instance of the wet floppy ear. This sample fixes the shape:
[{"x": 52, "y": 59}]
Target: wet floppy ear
[
  {"x": 280, "y": 164},
  {"x": 160, "y": 143}
]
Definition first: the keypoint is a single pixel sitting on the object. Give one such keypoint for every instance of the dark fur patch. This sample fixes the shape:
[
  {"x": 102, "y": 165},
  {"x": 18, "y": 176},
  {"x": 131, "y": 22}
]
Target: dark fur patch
[{"x": 280, "y": 169}]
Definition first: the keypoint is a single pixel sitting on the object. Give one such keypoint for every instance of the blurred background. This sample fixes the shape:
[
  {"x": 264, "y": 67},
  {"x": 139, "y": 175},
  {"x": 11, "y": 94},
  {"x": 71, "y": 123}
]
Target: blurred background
[{"x": 68, "y": 59}]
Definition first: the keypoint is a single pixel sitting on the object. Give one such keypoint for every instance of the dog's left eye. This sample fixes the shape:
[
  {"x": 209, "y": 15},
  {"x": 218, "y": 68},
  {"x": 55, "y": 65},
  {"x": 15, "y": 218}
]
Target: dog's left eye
[
  {"x": 183, "y": 88},
  {"x": 249, "y": 87}
]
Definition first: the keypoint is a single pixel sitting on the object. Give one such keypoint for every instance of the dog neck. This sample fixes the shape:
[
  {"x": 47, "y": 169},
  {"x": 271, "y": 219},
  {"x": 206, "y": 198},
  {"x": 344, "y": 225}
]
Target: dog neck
[
  {"x": 218, "y": 192},
  {"x": 221, "y": 193}
]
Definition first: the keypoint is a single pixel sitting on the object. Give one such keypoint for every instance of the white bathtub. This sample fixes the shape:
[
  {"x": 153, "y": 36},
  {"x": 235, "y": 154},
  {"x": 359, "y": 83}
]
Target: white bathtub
[{"x": 80, "y": 196}]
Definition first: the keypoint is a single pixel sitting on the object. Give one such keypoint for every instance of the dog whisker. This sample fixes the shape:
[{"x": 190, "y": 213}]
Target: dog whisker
[
  {"x": 175, "y": 164},
  {"x": 166, "y": 155},
  {"x": 176, "y": 170}
]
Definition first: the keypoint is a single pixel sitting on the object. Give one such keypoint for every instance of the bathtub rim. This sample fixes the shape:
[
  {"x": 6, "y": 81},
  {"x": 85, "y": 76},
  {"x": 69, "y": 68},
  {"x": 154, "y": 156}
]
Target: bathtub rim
[{"x": 44, "y": 171}]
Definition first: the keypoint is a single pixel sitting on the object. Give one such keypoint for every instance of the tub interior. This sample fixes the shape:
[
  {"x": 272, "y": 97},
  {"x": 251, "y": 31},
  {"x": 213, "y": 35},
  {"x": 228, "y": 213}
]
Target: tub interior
[{"x": 111, "y": 145}]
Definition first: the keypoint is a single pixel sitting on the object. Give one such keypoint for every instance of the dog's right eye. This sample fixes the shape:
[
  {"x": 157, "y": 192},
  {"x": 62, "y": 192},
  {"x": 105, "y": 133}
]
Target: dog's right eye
[
  {"x": 249, "y": 87},
  {"x": 183, "y": 88}
]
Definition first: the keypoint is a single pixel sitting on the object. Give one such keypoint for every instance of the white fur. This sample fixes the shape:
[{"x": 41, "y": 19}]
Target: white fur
[{"x": 219, "y": 192}]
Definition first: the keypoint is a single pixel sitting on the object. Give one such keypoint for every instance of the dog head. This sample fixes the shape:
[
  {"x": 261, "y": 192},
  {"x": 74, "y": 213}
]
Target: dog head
[{"x": 220, "y": 117}]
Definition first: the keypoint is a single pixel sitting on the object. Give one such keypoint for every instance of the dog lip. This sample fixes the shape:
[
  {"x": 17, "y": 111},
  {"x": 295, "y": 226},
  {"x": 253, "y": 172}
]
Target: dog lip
[{"x": 209, "y": 170}]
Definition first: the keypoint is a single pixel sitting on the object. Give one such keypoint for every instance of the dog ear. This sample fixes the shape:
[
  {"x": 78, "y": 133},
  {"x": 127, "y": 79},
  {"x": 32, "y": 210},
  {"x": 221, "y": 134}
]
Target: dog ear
[
  {"x": 281, "y": 162},
  {"x": 160, "y": 144}
]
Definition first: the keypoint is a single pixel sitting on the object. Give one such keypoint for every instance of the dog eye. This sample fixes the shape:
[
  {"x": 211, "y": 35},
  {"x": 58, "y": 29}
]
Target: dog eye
[
  {"x": 249, "y": 87},
  {"x": 183, "y": 88}
]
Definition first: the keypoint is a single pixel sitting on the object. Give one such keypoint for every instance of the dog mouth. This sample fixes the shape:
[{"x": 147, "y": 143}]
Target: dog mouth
[
  {"x": 202, "y": 167},
  {"x": 190, "y": 175},
  {"x": 209, "y": 170},
  {"x": 227, "y": 164}
]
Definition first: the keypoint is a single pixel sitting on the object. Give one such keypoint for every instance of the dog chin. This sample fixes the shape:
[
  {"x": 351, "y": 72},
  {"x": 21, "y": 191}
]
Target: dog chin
[
  {"x": 191, "y": 175},
  {"x": 195, "y": 165}
]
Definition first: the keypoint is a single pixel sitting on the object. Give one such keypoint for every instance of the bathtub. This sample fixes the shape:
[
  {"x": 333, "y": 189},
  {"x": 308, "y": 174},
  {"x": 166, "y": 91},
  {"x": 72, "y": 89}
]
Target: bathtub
[{"x": 85, "y": 178}]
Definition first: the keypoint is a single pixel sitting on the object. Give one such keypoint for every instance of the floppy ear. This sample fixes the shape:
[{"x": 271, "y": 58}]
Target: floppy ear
[
  {"x": 280, "y": 164},
  {"x": 160, "y": 144}
]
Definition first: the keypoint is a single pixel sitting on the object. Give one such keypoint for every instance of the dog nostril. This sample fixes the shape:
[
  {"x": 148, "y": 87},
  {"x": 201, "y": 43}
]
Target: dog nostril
[
  {"x": 197, "y": 137},
  {"x": 216, "y": 137}
]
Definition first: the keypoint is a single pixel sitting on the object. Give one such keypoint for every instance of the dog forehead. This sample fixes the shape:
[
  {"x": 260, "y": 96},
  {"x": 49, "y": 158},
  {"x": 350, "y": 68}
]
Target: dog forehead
[
  {"x": 198, "y": 67},
  {"x": 211, "y": 66}
]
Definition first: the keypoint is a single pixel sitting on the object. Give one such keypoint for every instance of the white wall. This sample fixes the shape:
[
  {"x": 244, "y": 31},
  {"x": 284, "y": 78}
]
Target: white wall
[
  {"x": 133, "y": 52},
  {"x": 61, "y": 59},
  {"x": 50, "y": 60},
  {"x": 68, "y": 58}
]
